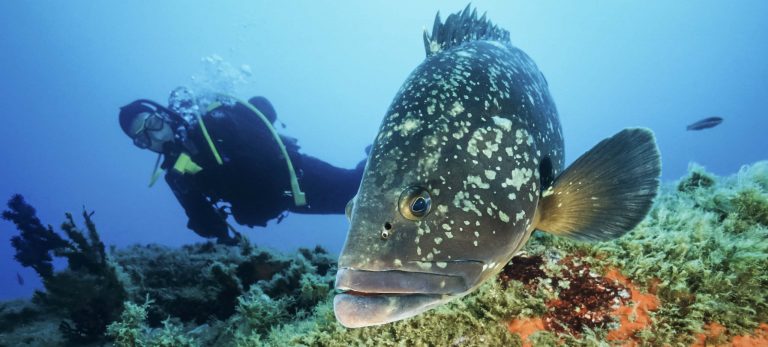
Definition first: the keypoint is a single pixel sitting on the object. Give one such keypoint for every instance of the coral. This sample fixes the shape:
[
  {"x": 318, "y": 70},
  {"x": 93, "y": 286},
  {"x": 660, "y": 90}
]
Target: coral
[
  {"x": 88, "y": 290},
  {"x": 36, "y": 242}
]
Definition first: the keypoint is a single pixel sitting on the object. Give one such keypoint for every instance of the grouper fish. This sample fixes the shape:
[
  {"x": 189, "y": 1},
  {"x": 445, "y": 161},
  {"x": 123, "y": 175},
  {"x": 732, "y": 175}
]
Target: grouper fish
[{"x": 467, "y": 163}]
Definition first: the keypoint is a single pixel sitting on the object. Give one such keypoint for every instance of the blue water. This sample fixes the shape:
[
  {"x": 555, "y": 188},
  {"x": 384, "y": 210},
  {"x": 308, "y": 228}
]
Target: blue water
[{"x": 331, "y": 69}]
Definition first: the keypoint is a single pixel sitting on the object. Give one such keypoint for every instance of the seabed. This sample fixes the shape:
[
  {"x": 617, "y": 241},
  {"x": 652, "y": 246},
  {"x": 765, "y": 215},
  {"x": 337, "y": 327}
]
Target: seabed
[{"x": 693, "y": 273}]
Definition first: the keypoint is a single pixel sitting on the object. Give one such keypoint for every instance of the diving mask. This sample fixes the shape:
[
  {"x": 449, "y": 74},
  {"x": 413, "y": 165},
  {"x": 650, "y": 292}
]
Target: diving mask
[{"x": 151, "y": 122}]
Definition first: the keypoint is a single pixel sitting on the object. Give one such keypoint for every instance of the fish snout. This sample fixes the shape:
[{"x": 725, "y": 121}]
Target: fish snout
[
  {"x": 357, "y": 311},
  {"x": 377, "y": 297}
]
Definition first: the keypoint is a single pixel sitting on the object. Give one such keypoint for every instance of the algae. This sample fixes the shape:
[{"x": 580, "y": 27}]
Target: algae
[
  {"x": 88, "y": 291},
  {"x": 702, "y": 253},
  {"x": 132, "y": 330},
  {"x": 703, "y": 250},
  {"x": 706, "y": 253}
]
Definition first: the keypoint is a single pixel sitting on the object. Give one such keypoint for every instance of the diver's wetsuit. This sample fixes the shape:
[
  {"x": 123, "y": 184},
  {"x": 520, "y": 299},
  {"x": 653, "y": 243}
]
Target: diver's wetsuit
[{"x": 254, "y": 176}]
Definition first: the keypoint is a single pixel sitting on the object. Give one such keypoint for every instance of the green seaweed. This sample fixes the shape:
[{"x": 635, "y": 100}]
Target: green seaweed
[
  {"x": 88, "y": 291},
  {"x": 703, "y": 268},
  {"x": 697, "y": 178},
  {"x": 703, "y": 250},
  {"x": 16, "y": 313},
  {"x": 132, "y": 331},
  {"x": 197, "y": 282},
  {"x": 258, "y": 313},
  {"x": 708, "y": 250},
  {"x": 129, "y": 330}
]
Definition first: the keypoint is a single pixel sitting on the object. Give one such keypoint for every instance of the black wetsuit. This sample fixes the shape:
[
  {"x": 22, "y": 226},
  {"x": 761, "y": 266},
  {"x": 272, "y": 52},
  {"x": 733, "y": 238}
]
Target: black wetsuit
[{"x": 254, "y": 177}]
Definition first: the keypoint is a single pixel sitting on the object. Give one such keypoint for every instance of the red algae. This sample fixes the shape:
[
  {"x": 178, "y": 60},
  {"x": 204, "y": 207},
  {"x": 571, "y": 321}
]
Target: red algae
[
  {"x": 714, "y": 335},
  {"x": 635, "y": 317},
  {"x": 712, "y": 332},
  {"x": 758, "y": 339},
  {"x": 525, "y": 328},
  {"x": 526, "y": 270},
  {"x": 584, "y": 299}
]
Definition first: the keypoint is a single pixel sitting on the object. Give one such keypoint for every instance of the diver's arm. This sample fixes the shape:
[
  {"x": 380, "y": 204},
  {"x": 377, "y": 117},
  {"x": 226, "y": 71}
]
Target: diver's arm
[{"x": 203, "y": 218}]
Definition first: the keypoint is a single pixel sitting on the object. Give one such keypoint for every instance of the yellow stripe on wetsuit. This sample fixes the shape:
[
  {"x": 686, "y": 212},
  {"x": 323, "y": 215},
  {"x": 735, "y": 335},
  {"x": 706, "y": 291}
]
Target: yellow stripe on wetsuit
[{"x": 299, "y": 198}]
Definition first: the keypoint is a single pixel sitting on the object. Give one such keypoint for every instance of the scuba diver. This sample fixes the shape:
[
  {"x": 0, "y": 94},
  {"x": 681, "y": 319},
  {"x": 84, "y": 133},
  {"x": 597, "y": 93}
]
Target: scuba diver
[{"x": 230, "y": 160}]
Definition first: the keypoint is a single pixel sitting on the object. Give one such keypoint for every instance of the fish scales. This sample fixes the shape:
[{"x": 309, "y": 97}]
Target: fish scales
[
  {"x": 470, "y": 109},
  {"x": 468, "y": 161}
]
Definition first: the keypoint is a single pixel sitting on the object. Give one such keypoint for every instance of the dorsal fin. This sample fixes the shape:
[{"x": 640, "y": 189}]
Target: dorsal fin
[{"x": 461, "y": 27}]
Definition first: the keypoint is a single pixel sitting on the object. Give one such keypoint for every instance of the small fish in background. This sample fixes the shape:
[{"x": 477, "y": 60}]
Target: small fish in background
[
  {"x": 19, "y": 279},
  {"x": 705, "y": 123}
]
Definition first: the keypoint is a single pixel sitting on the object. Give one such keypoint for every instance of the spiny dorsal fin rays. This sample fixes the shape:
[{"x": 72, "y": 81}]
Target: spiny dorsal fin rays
[
  {"x": 438, "y": 23},
  {"x": 461, "y": 27}
]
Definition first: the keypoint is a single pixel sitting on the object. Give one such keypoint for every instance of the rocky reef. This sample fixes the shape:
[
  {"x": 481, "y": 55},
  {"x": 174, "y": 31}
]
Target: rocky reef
[
  {"x": 151, "y": 295},
  {"x": 693, "y": 273}
]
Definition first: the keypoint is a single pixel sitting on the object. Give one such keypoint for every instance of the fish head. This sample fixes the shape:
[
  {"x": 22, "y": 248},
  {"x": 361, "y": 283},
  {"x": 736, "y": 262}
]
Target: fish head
[{"x": 431, "y": 220}]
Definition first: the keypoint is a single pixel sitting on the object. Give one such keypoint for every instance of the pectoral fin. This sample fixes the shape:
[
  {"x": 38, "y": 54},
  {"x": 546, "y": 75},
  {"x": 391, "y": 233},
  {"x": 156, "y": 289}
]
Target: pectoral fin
[{"x": 606, "y": 192}]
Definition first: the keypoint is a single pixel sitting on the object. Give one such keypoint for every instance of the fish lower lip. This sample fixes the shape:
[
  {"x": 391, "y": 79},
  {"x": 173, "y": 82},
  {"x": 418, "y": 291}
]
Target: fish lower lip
[
  {"x": 356, "y": 310},
  {"x": 377, "y": 297},
  {"x": 393, "y": 282}
]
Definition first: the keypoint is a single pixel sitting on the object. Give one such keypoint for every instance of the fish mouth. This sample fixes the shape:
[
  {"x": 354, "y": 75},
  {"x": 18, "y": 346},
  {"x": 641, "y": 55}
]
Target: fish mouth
[
  {"x": 398, "y": 282},
  {"x": 357, "y": 310},
  {"x": 378, "y": 297}
]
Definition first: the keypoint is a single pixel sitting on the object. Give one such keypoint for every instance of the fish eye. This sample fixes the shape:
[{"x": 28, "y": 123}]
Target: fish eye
[
  {"x": 419, "y": 205},
  {"x": 415, "y": 203}
]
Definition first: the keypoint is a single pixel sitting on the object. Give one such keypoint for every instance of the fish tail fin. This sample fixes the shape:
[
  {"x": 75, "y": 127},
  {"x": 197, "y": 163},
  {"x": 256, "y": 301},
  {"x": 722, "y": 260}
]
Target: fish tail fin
[
  {"x": 606, "y": 192},
  {"x": 461, "y": 27}
]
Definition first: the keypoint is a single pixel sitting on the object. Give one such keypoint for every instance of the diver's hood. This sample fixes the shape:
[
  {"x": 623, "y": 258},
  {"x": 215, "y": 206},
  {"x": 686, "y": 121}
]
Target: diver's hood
[{"x": 130, "y": 111}]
